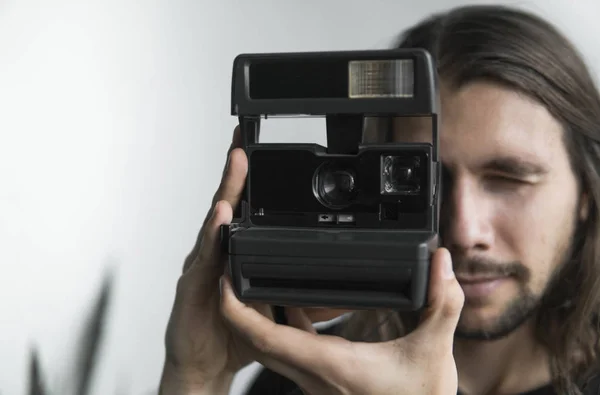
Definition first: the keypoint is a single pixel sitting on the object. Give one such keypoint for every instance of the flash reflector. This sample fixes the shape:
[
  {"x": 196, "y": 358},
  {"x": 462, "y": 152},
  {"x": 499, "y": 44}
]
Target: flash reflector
[{"x": 381, "y": 78}]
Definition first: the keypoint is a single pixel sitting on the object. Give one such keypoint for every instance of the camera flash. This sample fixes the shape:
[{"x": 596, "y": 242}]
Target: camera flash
[{"x": 381, "y": 78}]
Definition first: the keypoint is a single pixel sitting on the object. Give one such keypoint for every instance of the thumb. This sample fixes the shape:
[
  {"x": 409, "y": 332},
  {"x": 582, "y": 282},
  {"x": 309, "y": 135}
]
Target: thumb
[{"x": 446, "y": 299}]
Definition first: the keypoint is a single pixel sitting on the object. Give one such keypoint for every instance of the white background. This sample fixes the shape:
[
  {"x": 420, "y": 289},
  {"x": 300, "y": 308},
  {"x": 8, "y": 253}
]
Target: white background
[{"x": 114, "y": 123}]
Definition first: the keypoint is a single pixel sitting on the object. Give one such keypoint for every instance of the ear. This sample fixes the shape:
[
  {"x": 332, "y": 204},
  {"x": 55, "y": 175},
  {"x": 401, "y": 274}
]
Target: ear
[{"x": 584, "y": 207}]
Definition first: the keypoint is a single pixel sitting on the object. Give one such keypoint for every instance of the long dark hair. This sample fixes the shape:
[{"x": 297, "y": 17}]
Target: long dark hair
[{"x": 522, "y": 51}]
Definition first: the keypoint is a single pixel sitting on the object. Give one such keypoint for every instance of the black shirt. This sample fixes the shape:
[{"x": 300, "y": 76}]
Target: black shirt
[{"x": 269, "y": 382}]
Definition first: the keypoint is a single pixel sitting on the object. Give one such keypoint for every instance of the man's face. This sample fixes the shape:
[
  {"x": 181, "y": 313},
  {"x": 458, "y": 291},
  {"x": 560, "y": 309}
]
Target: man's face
[{"x": 510, "y": 202}]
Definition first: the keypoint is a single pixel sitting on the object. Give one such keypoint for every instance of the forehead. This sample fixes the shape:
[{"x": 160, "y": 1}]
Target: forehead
[{"x": 482, "y": 121}]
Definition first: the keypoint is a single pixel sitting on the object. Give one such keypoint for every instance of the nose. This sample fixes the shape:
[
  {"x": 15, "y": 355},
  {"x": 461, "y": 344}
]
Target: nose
[{"x": 466, "y": 221}]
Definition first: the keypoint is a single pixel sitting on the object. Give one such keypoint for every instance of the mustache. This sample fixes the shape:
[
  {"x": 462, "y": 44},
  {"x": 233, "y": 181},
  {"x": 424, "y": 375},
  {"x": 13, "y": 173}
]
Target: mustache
[{"x": 489, "y": 267}]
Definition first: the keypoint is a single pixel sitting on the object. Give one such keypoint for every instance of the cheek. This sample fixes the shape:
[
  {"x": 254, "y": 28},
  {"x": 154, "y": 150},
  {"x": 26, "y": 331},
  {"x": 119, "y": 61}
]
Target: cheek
[{"x": 534, "y": 228}]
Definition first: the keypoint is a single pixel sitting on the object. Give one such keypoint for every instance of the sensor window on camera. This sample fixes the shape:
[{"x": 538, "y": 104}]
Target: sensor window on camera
[{"x": 399, "y": 175}]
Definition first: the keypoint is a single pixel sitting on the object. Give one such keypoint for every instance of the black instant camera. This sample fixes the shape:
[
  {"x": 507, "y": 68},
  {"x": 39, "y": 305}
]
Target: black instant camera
[{"x": 351, "y": 225}]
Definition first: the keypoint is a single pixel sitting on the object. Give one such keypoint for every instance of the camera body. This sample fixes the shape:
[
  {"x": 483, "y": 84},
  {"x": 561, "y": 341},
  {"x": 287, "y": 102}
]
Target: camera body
[{"x": 352, "y": 225}]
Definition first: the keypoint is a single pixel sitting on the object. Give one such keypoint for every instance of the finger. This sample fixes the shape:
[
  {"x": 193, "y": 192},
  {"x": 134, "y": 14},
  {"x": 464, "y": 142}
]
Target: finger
[
  {"x": 230, "y": 193},
  {"x": 289, "y": 351},
  {"x": 208, "y": 266},
  {"x": 236, "y": 142},
  {"x": 263, "y": 309},
  {"x": 446, "y": 300},
  {"x": 232, "y": 185}
]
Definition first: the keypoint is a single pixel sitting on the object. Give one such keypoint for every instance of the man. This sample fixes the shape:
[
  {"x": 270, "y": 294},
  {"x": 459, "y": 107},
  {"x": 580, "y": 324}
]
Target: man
[{"x": 520, "y": 143}]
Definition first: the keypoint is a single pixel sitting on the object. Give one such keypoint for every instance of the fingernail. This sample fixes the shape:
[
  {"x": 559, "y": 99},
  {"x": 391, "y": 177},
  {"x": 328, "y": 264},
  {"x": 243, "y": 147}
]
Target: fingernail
[
  {"x": 448, "y": 271},
  {"x": 221, "y": 285}
]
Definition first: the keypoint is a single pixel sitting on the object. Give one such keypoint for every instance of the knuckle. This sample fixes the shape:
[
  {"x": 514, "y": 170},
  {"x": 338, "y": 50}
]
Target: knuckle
[
  {"x": 196, "y": 250},
  {"x": 187, "y": 263},
  {"x": 183, "y": 286},
  {"x": 223, "y": 307},
  {"x": 202, "y": 258},
  {"x": 455, "y": 302},
  {"x": 191, "y": 256}
]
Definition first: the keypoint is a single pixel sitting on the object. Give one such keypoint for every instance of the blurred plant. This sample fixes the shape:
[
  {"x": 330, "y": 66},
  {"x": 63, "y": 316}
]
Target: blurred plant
[{"x": 86, "y": 356}]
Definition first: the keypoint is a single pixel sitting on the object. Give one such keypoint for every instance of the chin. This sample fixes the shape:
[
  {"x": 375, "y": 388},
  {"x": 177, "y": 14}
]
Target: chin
[
  {"x": 493, "y": 321},
  {"x": 478, "y": 320}
]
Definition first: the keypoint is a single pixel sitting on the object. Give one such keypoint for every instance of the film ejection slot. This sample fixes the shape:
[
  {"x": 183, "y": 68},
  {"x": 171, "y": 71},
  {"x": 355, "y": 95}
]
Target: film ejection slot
[{"x": 350, "y": 224}]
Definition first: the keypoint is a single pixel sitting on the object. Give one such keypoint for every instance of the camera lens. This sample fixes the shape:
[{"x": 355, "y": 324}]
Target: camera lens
[
  {"x": 334, "y": 186},
  {"x": 399, "y": 175}
]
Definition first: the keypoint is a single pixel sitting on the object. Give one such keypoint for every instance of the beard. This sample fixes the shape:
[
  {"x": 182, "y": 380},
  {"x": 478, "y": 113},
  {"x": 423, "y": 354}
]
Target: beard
[
  {"x": 515, "y": 313},
  {"x": 527, "y": 303},
  {"x": 523, "y": 306}
]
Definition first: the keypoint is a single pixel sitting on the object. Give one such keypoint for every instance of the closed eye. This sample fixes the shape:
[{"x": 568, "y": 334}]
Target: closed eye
[{"x": 504, "y": 183}]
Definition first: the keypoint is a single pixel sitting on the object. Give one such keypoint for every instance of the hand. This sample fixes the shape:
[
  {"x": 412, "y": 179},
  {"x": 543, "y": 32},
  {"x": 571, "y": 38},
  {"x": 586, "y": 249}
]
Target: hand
[
  {"x": 202, "y": 353},
  {"x": 420, "y": 363}
]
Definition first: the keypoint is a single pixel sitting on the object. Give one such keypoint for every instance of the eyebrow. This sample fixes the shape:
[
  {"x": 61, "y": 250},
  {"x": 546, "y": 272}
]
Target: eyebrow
[{"x": 515, "y": 166}]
